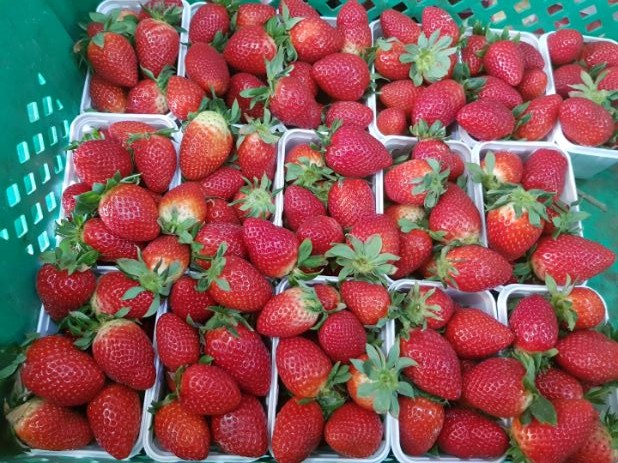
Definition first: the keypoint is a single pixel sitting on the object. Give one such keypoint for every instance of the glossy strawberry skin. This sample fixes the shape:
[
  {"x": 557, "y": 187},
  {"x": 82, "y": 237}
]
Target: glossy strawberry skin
[
  {"x": 182, "y": 432},
  {"x": 353, "y": 431},
  {"x": 256, "y": 158},
  {"x": 350, "y": 113},
  {"x": 60, "y": 292},
  {"x": 167, "y": 253},
  {"x": 589, "y": 307},
  {"x": 248, "y": 49},
  {"x": 342, "y": 337},
  {"x": 322, "y": 231},
  {"x": 543, "y": 112},
  {"x": 504, "y": 60},
  {"x": 98, "y": 160},
  {"x": 303, "y": 367},
  {"x": 497, "y": 89},
  {"x": 598, "y": 447},
  {"x": 565, "y": 76},
  {"x": 107, "y": 97},
  {"x": 212, "y": 235},
  {"x": 314, "y": 39},
  {"x": 109, "y": 293},
  {"x": 184, "y": 202},
  {"x": 414, "y": 249},
  {"x": 533, "y": 84},
  {"x": 155, "y": 158},
  {"x": 475, "y": 43},
  {"x": 400, "y": 26},
  {"x": 434, "y": 18},
  {"x": 356, "y": 39},
  {"x": 178, "y": 343},
  {"x": 456, "y": 215},
  {"x": 273, "y": 250},
  {"x": 556, "y": 384},
  {"x": 391, "y": 121},
  {"x": 157, "y": 44},
  {"x": 183, "y": 96},
  {"x": 400, "y": 94},
  {"x": 256, "y": 14},
  {"x": 545, "y": 169},
  {"x": 532, "y": 57},
  {"x": 535, "y": 324},
  {"x": 440, "y": 101},
  {"x": 420, "y": 423},
  {"x": 388, "y": 63},
  {"x": 207, "y": 67},
  {"x": 368, "y": 301},
  {"x": 244, "y": 81},
  {"x": 508, "y": 167},
  {"x": 299, "y": 204},
  {"x": 293, "y": 104},
  {"x": 478, "y": 268},
  {"x": 486, "y": 120},
  {"x": 69, "y": 196},
  {"x": 207, "y": 21},
  {"x": 121, "y": 131},
  {"x": 350, "y": 200},
  {"x": 600, "y": 52},
  {"x": 378, "y": 224},
  {"x": 589, "y": 356},
  {"x": 510, "y": 235},
  {"x": 431, "y": 148},
  {"x": 334, "y": 70},
  {"x": 397, "y": 182},
  {"x": 584, "y": 122},
  {"x": 185, "y": 300},
  {"x": 115, "y": 61},
  {"x": 564, "y": 46},
  {"x": 298, "y": 430},
  {"x": 223, "y": 183},
  {"x": 208, "y": 390},
  {"x": 146, "y": 98}
]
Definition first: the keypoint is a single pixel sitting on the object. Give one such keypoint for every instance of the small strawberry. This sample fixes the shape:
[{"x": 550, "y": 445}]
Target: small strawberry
[
  {"x": 156, "y": 44},
  {"x": 493, "y": 88},
  {"x": 556, "y": 384},
  {"x": 97, "y": 160},
  {"x": 504, "y": 60},
  {"x": 109, "y": 296},
  {"x": 223, "y": 183},
  {"x": 565, "y": 46},
  {"x": 155, "y": 158},
  {"x": 392, "y": 121},
  {"x": 354, "y": 432},
  {"x": 332, "y": 71},
  {"x": 498, "y": 168},
  {"x": 543, "y": 112},
  {"x": 532, "y": 57},
  {"x": 181, "y": 208},
  {"x": 70, "y": 194},
  {"x": 254, "y": 14},
  {"x": 186, "y": 301},
  {"x": 183, "y": 96},
  {"x": 566, "y": 76},
  {"x": 112, "y": 57},
  {"x": 486, "y": 120},
  {"x": 178, "y": 343},
  {"x": 590, "y": 356},
  {"x": 533, "y": 84},
  {"x": 440, "y": 101},
  {"x": 314, "y": 39},
  {"x": 437, "y": 19},
  {"x": 600, "y": 444},
  {"x": 207, "y": 21},
  {"x": 400, "y": 94},
  {"x": 256, "y": 148},
  {"x": 400, "y": 26},
  {"x": 415, "y": 246},
  {"x": 207, "y": 68},
  {"x": 596, "y": 53},
  {"x": 298, "y": 428},
  {"x": 578, "y": 308},
  {"x": 248, "y": 50},
  {"x": 352, "y": 14},
  {"x": 546, "y": 170},
  {"x": 350, "y": 113},
  {"x": 182, "y": 432},
  {"x": 425, "y": 306},
  {"x": 219, "y": 211},
  {"x": 356, "y": 39},
  {"x": 456, "y": 217},
  {"x": 107, "y": 97},
  {"x": 415, "y": 182},
  {"x": 349, "y": 200},
  {"x": 208, "y": 390},
  {"x": 420, "y": 422},
  {"x": 470, "y": 53},
  {"x": 342, "y": 337},
  {"x": 388, "y": 62},
  {"x": 585, "y": 122},
  {"x": 328, "y": 296}
]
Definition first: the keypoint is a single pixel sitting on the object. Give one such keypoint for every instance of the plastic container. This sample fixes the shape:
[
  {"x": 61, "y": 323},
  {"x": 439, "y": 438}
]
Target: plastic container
[
  {"x": 483, "y": 301},
  {"x": 324, "y": 454},
  {"x": 106, "y": 7},
  {"x": 587, "y": 160}
]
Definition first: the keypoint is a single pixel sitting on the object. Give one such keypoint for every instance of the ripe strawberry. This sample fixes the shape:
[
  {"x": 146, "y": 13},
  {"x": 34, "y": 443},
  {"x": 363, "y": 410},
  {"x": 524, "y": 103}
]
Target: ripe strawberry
[
  {"x": 566, "y": 76},
  {"x": 328, "y": 296},
  {"x": 242, "y": 431},
  {"x": 124, "y": 352},
  {"x": 342, "y": 337},
  {"x": 544, "y": 443},
  {"x": 399, "y": 183},
  {"x": 585, "y": 122},
  {"x": 209, "y": 19},
  {"x": 368, "y": 301},
  {"x": 98, "y": 160},
  {"x": 40, "y": 424},
  {"x": 332, "y": 71},
  {"x": 392, "y": 121},
  {"x": 298, "y": 9},
  {"x": 504, "y": 60},
  {"x": 441, "y": 101},
  {"x": 273, "y": 250},
  {"x": 293, "y": 104},
  {"x": 248, "y": 49},
  {"x": 434, "y": 148},
  {"x": 219, "y": 211},
  {"x": 302, "y": 71},
  {"x": 208, "y": 390},
  {"x": 212, "y": 235},
  {"x": 590, "y": 356},
  {"x": 545, "y": 169},
  {"x": 468, "y": 434},
  {"x": 206, "y": 145},
  {"x": 596, "y": 53},
  {"x": 456, "y": 216},
  {"x": 387, "y": 60},
  {"x": 223, "y": 183},
  {"x": 599, "y": 447},
  {"x": 108, "y": 298},
  {"x": 314, "y": 39},
  {"x": 147, "y": 97},
  {"x": 349, "y": 200},
  {"x": 579, "y": 308},
  {"x": 356, "y": 39},
  {"x": 110, "y": 247},
  {"x": 349, "y": 113},
  {"x": 182, "y": 207},
  {"x": 115, "y": 416},
  {"x": 476, "y": 335},
  {"x": 298, "y": 428},
  {"x": 254, "y": 200},
  {"x": 505, "y": 166},
  {"x": 183, "y": 96},
  {"x": 186, "y": 301},
  {"x": 400, "y": 94},
  {"x": 486, "y": 120},
  {"x": 256, "y": 149},
  {"x": 497, "y": 89},
  {"x": 299, "y": 204},
  {"x": 426, "y": 306},
  {"x": 322, "y": 231},
  {"x": 238, "y": 83},
  {"x": 533, "y": 84},
  {"x": 400, "y": 26},
  {"x": 121, "y": 131},
  {"x": 177, "y": 342},
  {"x": 182, "y": 432},
  {"x": 290, "y": 313},
  {"x": 167, "y": 256},
  {"x": 436, "y": 19},
  {"x": 107, "y": 97},
  {"x": 254, "y": 14},
  {"x": 556, "y": 384},
  {"x": 570, "y": 255},
  {"x": 207, "y": 67},
  {"x": 543, "y": 112},
  {"x": 470, "y": 53},
  {"x": 565, "y": 46},
  {"x": 70, "y": 194},
  {"x": 155, "y": 159},
  {"x": 157, "y": 44},
  {"x": 354, "y": 432},
  {"x": 112, "y": 57},
  {"x": 437, "y": 369},
  {"x": 352, "y": 152},
  {"x": 415, "y": 249},
  {"x": 420, "y": 422},
  {"x": 352, "y": 14},
  {"x": 381, "y": 225},
  {"x": 532, "y": 57}
]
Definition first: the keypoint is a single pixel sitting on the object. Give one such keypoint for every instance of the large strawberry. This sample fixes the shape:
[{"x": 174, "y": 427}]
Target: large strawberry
[
  {"x": 98, "y": 160},
  {"x": 113, "y": 58},
  {"x": 486, "y": 120},
  {"x": 208, "y": 390},
  {"x": 577, "y": 308},
  {"x": 181, "y": 208},
  {"x": 183, "y": 96},
  {"x": 600, "y": 444},
  {"x": 207, "y": 21},
  {"x": 590, "y": 356},
  {"x": 155, "y": 159},
  {"x": 437, "y": 19},
  {"x": 314, "y": 39},
  {"x": 223, "y": 183},
  {"x": 564, "y": 46},
  {"x": 543, "y": 112},
  {"x": 290, "y": 313},
  {"x": 420, "y": 423},
  {"x": 248, "y": 50},
  {"x": 504, "y": 60},
  {"x": 349, "y": 200},
  {"x": 545, "y": 169},
  {"x": 157, "y": 44},
  {"x": 354, "y": 432},
  {"x": 177, "y": 342},
  {"x": 105, "y": 96},
  {"x": 342, "y": 337},
  {"x": 342, "y": 76},
  {"x": 456, "y": 217},
  {"x": 441, "y": 101},
  {"x": 398, "y": 25},
  {"x": 585, "y": 122},
  {"x": 400, "y": 94},
  {"x": 298, "y": 429},
  {"x": 186, "y": 301},
  {"x": 534, "y": 324},
  {"x": 207, "y": 68},
  {"x": 182, "y": 432},
  {"x": 256, "y": 148},
  {"x": 322, "y": 231},
  {"x": 368, "y": 301},
  {"x": 147, "y": 96}
]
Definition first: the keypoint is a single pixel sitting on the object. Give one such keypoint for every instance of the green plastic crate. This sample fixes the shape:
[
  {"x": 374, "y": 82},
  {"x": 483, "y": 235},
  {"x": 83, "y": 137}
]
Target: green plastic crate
[{"x": 41, "y": 95}]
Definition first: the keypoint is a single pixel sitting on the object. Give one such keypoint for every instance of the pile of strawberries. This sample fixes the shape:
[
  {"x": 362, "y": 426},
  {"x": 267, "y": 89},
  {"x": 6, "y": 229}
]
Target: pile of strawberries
[{"x": 168, "y": 251}]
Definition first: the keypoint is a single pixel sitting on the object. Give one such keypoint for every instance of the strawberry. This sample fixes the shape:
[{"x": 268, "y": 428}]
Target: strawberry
[
  {"x": 415, "y": 248},
  {"x": 254, "y": 14},
  {"x": 183, "y": 207},
  {"x": 436, "y": 19},
  {"x": 434, "y": 148},
  {"x": 299, "y": 204},
  {"x": 532, "y": 57},
  {"x": 585, "y": 122},
  {"x": 392, "y": 121},
  {"x": 248, "y": 49},
  {"x": 473, "y": 268},
  {"x": 501, "y": 167},
  {"x": 207, "y": 21},
  {"x": 298, "y": 9},
  {"x": 369, "y": 302},
  {"x": 178, "y": 343},
  {"x": 121, "y": 131},
  {"x": 354, "y": 432},
  {"x": 242, "y": 431},
  {"x": 404, "y": 183},
  {"x": 545, "y": 169},
  {"x": 146, "y": 98},
  {"x": 112, "y": 57},
  {"x": 314, "y": 39},
  {"x": 578, "y": 308},
  {"x": 352, "y": 152},
  {"x": 302, "y": 71},
  {"x": 183, "y": 96},
  {"x": 207, "y": 67},
  {"x": 437, "y": 369},
  {"x": 256, "y": 149},
  {"x": 352, "y": 14},
  {"x": 158, "y": 6},
  {"x": 186, "y": 301},
  {"x": 155, "y": 158},
  {"x": 599, "y": 447},
  {"x": 589, "y": 356},
  {"x": 40, "y": 424},
  {"x": 486, "y": 120},
  {"x": 219, "y": 211},
  {"x": 205, "y": 146},
  {"x": 70, "y": 194},
  {"x": 298, "y": 427},
  {"x": 565, "y": 46},
  {"x": 349, "y": 200},
  {"x": 108, "y": 297},
  {"x": 470, "y": 53},
  {"x": 425, "y": 306},
  {"x": 321, "y": 231},
  {"x": 476, "y": 335},
  {"x": 456, "y": 216},
  {"x": 441, "y": 101},
  {"x": 212, "y": 235},
  {"x": 570, "y": 255},
  {"x": 493, "y": 88},
  {"x": 238, "y": 83},
  {"x": 543, "y": 112},
  {"x": 504, "y": 60},
  {"x": 223, "y": 183},
  {"x": 105, "y": 96},
  {"x": 596, "y": 53},
  {"x": 329, "y": 296},
  {"x": 566, "y": 76},
  {"x": 254, "y": 200},
  {"x": 432, "y": 58},
  {"x": 556, "y": 384},
  {"x": 342, "y": 337},
  {"x": 400, "y": 26},
  {"x": 356, "y": 39},
  {"x": 420, "y": 422},
  {"x": 377, "y": 224},
  {"x": 273, "y": 250},
  {"x": 387, "y": 60},
  {"x": 333, "y": 70},
  {"x": 350, "y": 113},
  {"x": 400, "y": 94},
  {"x": 115, "y": 416},
  {"x": 399, "y": 212},
  {"x": 544, "y": 443},
  {"x": 290, "y": 313},
  {"x": 156, "y": 44},
  {"x": 533, "y": 84},
  {"x": 609, "y": 81},
  {"x": 98, "y": 160},
  {"x": 468, "y": 434},
  {"x": 208, "y": 390},
  {"x": 182, "y": 432}
]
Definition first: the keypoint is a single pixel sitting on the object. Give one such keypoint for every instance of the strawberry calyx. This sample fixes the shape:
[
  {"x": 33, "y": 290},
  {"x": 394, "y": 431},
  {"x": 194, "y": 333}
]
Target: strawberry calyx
[
  {"x": 532, "y": 202},
  {"x": 212, "y": 275},
  {"x": 486, "y": 176},
  {"x": 424, "y": 131},
  {"x": 225, "y": 318},
  {"x": 14, "y": 356},
  {"x": 305, "y": 264},
  {"x": 331, "y": 396},
  {"x": 169, "y": 14},
  {"x": 72, "y": 231},
  {"x": 568, "y": 220},
  {"x": 384, "y": 378},
  {"x": 537, "y": 406},
  {"x": 444, "y": 270},
  {"x": 407, "y": 225},
  {"x": 363, "y": 260},
  {"x": 85, "y": 323},
  {"x": 217, "y": 105},
  {"x": 265, "y": 129},
  {"x": 70, "y": 254},
  {"x": 521, "y": 116},
  {"x": 493, "y": 37},
  {"x": 88, "y": 203},
  {"x": 96, "y": 134},
  {"x": 117, "y": 22},
  {"x": 185, "y": 230},
  {"x": 167, "y": 133},
  {"x": 256, "y": 198},
  {"x": 162, "y": 79},
  {"x": 306, "y": 173},
  {"x": 412, "y": 309},
  {"x": 275, "y": 70},
  {"x": 589, "y": 89},
  {"x": 433, "y": 183},
  {"x": 429, "y": 58},
  {"x": 598, "y": 395},
  {"x": 560, "y": 301}
]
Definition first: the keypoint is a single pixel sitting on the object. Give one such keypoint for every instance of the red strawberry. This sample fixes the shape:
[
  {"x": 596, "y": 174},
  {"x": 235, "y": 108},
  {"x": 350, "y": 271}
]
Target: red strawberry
[
  {"x": 350, "y": 113},
  {"x": 185, "y": 300},
  {"x": 585, "y": 122},
  {"x": 381, "y": 225},
  {"x": 565, "y": 46},
  {"x": 354, "y": 432},
  {"x": 256, "y": 149},
  {"x": 456, "y": 216},
  {"x": 155, "y": 159},
  {"x": 43, "y": 425},
  {"x": 392, "y": 121},
  {"x": 299, "y": 204},
  {"x": 400, "y": 26},
  {"x": 156, "y": 6},
  {"x": 332, "y": 71},
  {"x": 475, "y": 335},
  {"x": 178, "y": 343},
  {"x": 293, "y": 104},
  {"x": 146, "y": 98},
  {"x": 415, "y": 249},
  {"x": 440, "y": 101},
  {"x": 298, "y": 9},
  {"x": 70, "y": 194},
  {"x": 589, "y": 356},
  {"x": 599, "y": 447},
  {"x": 254, "y": 14},
  {"x": 470, "y": 53},
  {"x": 387, "y": 60},
  {"x": 209, "y": 19},
  {"x": 486, "y": 120},
  {"x": 578, "y": 308},
  {"x": 322, "y": 231},
  {"x": 368, "y": 301},
  {"x": 504, "y": 60},
  {"x": 242, "y": 431},
  {"x": 183, "y": 96},
  {"x": 254, "y": 200},
  {"x": 533, "y": 84},
  {"x": 556, "y": 384},
  {"x": 610, "y": 80},
  {"x": 290, "y": 313},
  {"x": 298, "y": 428},
  {"x": 352, "y": 152},
  {"x": 356, "y": 39},
  {"x": 248, "y": 49},
  {"x": 399, "y": 186},
  {"x": 352, "y": 14},
  {"x": 434, "y": 18},
  {"x": 342, "y": 337},
  {"x": 505, "y": 166},
  {"x": 157, "y": 44},
  {"x": 115, "y": 416},
  {"x": 545, "y": 169},
  {"x": 223, "y": 183},
  {"x": 302, "y": 71},
  {"x": 273, "y": 250},
  {"x": 109, "y": 246},
  {"x": 544, "y": 443},
  {"x": 566, "y": 76},
  {"x": 437, "y": 369},
  {"x": 420, "y": 422},
  {"x": 112, "y": 57},
  {"x": 212, "y": 235},
  {"x": 108, "y": 297},
  {"x": 328, "y": 296},
  {"x": 314, "y": 39},
  {"x": 349, "y": 200},
  {"x": 182, "y": 432},
  {"x": 595, "y": 53},
  {"x": 121, "y": 131},
  {"x": 208, "y": 390},
  {"x": 532, "y": 57},
  {"x": 497, "y": 89},
  {"x": 468, "y": 434},
  {"x": 107, "y": 97},
  {"x": 433, "y": 148},
  {"x": 400, "y": 94},
  {"x": 426, "y": 306},
  {"x": 98, "y": 160},
  {"x": 570, "y": 255},
  {"x": 182, "y": 207},
  {"x": 207, "y": 67},
  {"x": 238, "y": 83},
  {"x": 543, "y": 112}
]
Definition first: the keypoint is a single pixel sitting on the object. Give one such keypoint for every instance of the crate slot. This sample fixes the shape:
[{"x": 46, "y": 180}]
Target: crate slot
[
  {"x": 33, "y": 111},
  {"x": 13, "y": 197}
]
